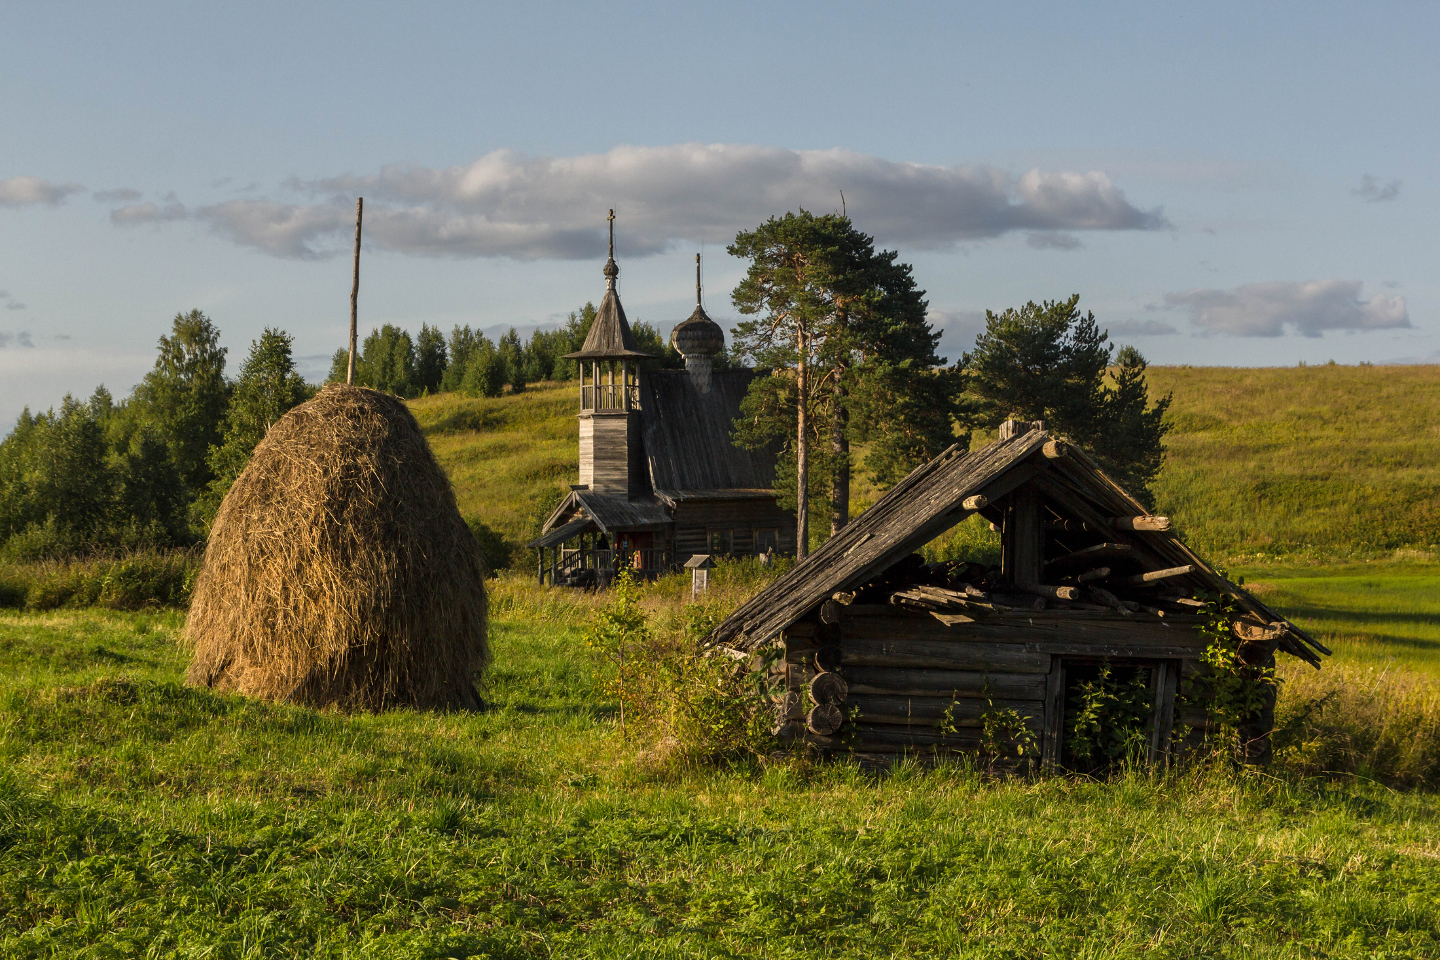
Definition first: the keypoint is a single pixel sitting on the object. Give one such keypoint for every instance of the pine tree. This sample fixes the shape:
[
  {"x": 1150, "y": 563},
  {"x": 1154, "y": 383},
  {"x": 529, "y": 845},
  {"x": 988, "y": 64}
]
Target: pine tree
[
  {"x": 387, "y": 362},
  {"x": 1049, "y": 362},
  {"x": 513, "y": 353},
  {"x": 832, "y": 311},
  {"x": 429, "y": 358},
  {"x": 267, "y": 387}
]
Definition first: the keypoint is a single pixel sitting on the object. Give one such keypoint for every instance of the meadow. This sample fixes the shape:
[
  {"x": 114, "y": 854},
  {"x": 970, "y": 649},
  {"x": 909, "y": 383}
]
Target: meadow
[
  {"x": 142, "y": 818},
  {"x": 139, "y": 817}
]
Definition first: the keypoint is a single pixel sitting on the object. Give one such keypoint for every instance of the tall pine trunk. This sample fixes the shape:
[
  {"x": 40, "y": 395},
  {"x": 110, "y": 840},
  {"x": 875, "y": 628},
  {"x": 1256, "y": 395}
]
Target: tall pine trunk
[
  {"x": 802, "y": 457},
  {"x": 840, "y": 449}
]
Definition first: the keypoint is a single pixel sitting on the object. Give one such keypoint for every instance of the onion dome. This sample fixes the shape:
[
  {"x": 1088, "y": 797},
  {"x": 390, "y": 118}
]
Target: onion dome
[{"x": 699, "y": 336}]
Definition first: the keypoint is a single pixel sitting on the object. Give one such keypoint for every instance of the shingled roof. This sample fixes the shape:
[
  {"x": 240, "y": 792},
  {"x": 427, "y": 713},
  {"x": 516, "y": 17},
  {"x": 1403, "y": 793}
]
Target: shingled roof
[
  {"x": 687, "y": 434},
  {"x": 931, "y": 500},
  {"x": 609, "y": 337}
]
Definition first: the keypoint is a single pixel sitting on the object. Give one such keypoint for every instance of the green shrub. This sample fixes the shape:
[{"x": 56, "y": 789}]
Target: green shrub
[
  {"x": 136, "y": 581},
  {"x": 496, "y": 551},
  {"x": 1358, "y": 721}
]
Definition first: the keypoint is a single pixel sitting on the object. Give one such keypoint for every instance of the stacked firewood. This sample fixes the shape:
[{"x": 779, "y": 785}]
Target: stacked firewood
[{"x": 1105, "y": 578}]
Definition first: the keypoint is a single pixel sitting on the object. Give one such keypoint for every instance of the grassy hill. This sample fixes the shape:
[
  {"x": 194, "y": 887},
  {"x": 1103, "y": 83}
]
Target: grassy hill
[
  {"x": 1273, "y": 464},
  {"x": 1328, "y": 462}
]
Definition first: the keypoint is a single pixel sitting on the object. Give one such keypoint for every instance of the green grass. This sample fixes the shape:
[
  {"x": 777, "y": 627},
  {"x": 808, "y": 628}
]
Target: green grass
[
  {"x": 502, "y": 454},
  {"x": 139, "y": 817},
  {"x": 1381, "y": 615},
  {"x": 142, "y": 818}
]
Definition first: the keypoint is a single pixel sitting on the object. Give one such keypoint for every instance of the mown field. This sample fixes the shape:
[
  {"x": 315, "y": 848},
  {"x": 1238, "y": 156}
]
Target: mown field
[
  {"x": 1325, "y": 463},
  {"x": 141, "y": 818}
]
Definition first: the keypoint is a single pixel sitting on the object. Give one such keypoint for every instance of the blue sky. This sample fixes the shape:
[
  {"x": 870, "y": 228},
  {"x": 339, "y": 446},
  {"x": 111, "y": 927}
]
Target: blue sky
[{"x": 1247, "y": 184}]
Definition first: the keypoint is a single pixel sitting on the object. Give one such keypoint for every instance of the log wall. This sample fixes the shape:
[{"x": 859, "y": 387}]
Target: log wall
[
  {"x": 694, "y": 519},
  {"x": 914, "y": 684}
]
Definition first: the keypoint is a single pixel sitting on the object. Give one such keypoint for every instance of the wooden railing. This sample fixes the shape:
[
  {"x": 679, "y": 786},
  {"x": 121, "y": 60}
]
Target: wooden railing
[
  {"x": 609, "y": 396},
  {"x": 599, "y": 567}
]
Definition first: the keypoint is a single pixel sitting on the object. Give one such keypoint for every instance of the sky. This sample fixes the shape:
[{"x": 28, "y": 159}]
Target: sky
[{"x": 1244, "y": 184}]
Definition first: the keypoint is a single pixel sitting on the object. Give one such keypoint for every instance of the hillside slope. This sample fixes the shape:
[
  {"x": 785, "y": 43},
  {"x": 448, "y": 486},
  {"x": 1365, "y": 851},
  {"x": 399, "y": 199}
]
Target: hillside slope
[
  {"x": 1329, "y": 462},
  {"x": 1320, "y": 462}
]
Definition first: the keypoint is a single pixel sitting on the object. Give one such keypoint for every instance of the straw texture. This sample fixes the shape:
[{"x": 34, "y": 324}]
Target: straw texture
[{"x": 339, "y": 571}]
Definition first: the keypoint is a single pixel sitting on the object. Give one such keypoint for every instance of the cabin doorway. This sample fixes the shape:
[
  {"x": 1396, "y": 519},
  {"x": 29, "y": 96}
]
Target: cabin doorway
[{"x": 1104, "y": 714}]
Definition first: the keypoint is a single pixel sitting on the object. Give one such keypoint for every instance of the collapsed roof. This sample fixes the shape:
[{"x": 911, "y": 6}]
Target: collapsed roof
[{"x": 943, "y": 492}]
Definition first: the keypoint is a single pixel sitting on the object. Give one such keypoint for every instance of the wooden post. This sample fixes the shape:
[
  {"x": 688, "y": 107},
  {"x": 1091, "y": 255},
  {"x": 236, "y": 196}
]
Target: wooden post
[
  {"x": 1052, "y": 740},
  {"x": 1025, "y": 542},
  {"x": 1166, "y": 680},
  {"x": 355, "y": 289}
]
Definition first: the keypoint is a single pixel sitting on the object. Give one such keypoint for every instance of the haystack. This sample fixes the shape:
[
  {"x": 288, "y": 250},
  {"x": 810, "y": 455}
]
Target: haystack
[{"x": 339, "y": 571}]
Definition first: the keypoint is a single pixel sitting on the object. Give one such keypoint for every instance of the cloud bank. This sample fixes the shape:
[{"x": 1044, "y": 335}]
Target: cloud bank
[
  {"x": 1141, "y": 328},
  {"x": 30, "y": 191},
  {"x": 1371, "y": 190},
  {"x": 508, "y": 204},
  {"x": 1267, "y": 309},
  {"x": 148, "y": 212}
]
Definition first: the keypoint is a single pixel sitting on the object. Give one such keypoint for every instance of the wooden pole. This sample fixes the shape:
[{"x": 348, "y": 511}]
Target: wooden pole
[{"x": 355, "y": 289}]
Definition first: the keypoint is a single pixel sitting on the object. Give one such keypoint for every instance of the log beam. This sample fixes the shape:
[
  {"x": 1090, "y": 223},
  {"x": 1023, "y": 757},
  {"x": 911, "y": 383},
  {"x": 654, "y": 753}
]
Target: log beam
[{"x": 1146, "y": 524}]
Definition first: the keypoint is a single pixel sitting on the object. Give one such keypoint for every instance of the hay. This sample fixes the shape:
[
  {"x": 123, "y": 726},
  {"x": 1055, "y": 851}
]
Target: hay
[{"x": 339, "y": 571}]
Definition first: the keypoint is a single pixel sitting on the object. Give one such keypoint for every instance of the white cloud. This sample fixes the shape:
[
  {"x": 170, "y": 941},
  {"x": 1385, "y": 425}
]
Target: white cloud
[
  {"x": 281, "y": 229},
  {"x": 25, "y": 191},
  {"x": 1371, "y": 190},
  {"x": 148, "y": 212},
  {"x": 1266, "y": 309},
  {"x": 507, "y": 204},
  {"x": 1053, "y": 241},
  {"x": 958, "y": 330},
  {"x": 120, "y": 195},
  {"x": 1141, "y": 328}
]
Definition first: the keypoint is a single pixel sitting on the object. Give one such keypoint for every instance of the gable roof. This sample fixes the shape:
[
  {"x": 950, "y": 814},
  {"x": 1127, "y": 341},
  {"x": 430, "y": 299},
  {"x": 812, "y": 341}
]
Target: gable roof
[
  {"x": 687, "y": 434},
  {"x": 608, "y": 514},
  {"x": 931, "y": 500}
]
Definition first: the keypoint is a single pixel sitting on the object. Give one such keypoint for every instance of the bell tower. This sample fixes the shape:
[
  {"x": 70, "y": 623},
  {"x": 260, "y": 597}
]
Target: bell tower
[{"x": 612, "y": 461}]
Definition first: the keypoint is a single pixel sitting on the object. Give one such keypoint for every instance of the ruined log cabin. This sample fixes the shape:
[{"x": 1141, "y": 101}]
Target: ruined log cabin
[{"x": 876, "y": 653}]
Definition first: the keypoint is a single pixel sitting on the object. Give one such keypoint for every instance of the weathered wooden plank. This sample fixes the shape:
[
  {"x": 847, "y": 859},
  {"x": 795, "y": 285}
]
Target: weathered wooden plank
[
  {"x": 1053, "y": 735},
  {"x": 1165, "y": 679},
  {"x": 1153, "y": 575},
  {"x": 1081, "y": 626},
  {"x": 1023, "y": 544},
  {"x": 880, "y": 737},
  {"x": 934, "y": 711},
  {"x": 1142, "y": 524},
  {"x": 1090, "y": 555},
  {"x": 942, "y": 654},
  {"x": 957, "y": 683}
]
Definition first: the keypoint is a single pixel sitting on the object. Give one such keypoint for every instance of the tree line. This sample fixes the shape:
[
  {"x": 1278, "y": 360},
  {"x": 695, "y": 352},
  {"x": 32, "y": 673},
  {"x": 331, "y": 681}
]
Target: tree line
[
  {"x": 149, "y": 470},
  {"x": 470, "y": 363}
]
